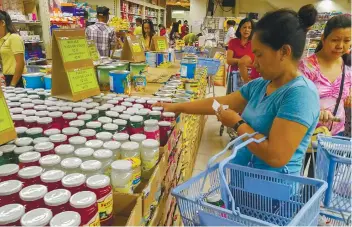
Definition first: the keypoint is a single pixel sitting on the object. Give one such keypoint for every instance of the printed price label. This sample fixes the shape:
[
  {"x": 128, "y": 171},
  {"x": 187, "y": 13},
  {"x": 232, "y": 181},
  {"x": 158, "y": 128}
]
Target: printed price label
[
  {"x": 82, "y": 79},
  {"x": 74, "y": 49},
  {"x": 5, "y": 118},
  {"x": 136, "y": 48},
  {"x": 161, "y": 45}
]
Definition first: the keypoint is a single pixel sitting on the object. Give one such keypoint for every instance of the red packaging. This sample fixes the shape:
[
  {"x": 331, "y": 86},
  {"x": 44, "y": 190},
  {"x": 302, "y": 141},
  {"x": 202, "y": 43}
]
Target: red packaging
[
  {"x": 58, "y": 201},
  {"x": 28, "y": 159},
  {"x": 165, "y": 130},
  {"x": 32, "y": 196},
  {"x": 8, "y": 172},
  {"x": 45, "y": 148},
  {"x": 18, "y": 120},
  {"x": 58, "y": 121},
  {"x": 9, "y": 192},
  {"x": 85, "y": 203},
  {"x": 52, "y": 179}
]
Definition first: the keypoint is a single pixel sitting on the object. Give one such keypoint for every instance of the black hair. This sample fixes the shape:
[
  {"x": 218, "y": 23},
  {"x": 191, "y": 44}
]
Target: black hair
[
  {"x": 284, "y": 27},
  {"x": 231, "y": 22},
  {"x": 4, "y": 16},
  {"x": 199, "y": 34},
  {"x": 138, "y": 19},
  {"x": 179, "y": 22},
  {"x": 242, "y": 22},
  {"x": 308, "y": 14},
  {"x": 185, "y": 21},
  {"x": 152, "y": 31},
  {"x": 174, "y": 29}
]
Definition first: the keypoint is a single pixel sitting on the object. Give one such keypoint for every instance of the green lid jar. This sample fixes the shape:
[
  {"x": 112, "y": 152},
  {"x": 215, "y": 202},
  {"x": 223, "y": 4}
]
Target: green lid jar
[
  {"x": 122, "y": 125},
  {"x": 8, "y": 154},
  {"x": 137, "y": 126},
  {"x": 155, "y": 115},
  {"x": 94, "y": 113}
]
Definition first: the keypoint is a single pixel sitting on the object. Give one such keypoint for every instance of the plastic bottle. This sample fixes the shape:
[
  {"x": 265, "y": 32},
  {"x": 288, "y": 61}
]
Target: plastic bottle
[
  {"x": 32, "y": 196},
  {"x": 121, "y": 176},
  {"x": 150, "y": 157},
  {"x": 52, "y": 179},
  {"x": 85, "y": 203}
]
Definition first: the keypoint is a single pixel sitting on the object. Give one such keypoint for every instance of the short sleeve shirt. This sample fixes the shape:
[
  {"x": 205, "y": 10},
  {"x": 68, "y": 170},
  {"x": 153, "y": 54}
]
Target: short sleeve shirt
[
  {"x": 103, "y": 36},
  {"x": 296, "y": 101},
  {"x": 137, "y": 30},
  {"x": 10, "y": 44}
]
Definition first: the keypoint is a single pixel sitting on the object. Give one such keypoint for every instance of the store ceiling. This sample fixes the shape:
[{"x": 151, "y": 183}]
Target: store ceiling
[{"x": 183, "y": 3}]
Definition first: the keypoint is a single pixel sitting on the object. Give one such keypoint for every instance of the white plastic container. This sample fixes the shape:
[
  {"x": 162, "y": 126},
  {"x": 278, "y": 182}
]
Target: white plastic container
[
  {"x": 84, "y": 153},
  {"x": 65, "y": 151},
  {"x": 121, "y": 176},
  {"x": 149, "y": 157},
  {"x": 71, "y": 165},
  {"x": 114, "y": 146},
  {"x": 91, "y": 167},
  {"x": 77, "y": 141},
  {"x": 50, "y": 162},
  {"x": 130, "y": 150}
]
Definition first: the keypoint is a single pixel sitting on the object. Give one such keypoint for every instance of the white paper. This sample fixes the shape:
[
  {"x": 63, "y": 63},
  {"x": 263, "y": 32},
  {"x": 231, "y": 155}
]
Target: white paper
[{"x": 216, "y": 105}]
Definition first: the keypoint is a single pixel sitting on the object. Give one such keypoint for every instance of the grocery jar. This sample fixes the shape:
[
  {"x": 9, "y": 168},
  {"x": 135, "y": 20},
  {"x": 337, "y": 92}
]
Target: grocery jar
[
  {"x": 104, "y": 136},
  {"x": 138, "y": 106},
  {"x": 8, "y": 150},
  {"x": 122, "y": 125},
  {"x": 38, "y": 102},
  {"x": 137, "y": 172},
  {"x": 52, "y": 179},
  {"x": 37, "y": 217},
  {"x": 130, "y": 100},
  {"x": 67, "y": 218},
  {"x": 58, "y": 121},
  {"x": 151, "y": 129},
  {"x": 105, "y": 156},
  {"x": 104, "y": 120},
  {"x": 11, "y": 214},
  {"x": 41, "y": 140},
  {"x": 91, "y": 167},
  {"x": 150, "y": 104},
  {"x": 40, "y": 107},
  {"x": 49, "y": 103},
  {"x": 77, "y": 141},
  {"x": 79, "y": 124},
  {"x": 95, "y": 125},
  {"x": 138, "y": 138},
  {"x": 8, "y": 172},
  {"x": 155, "y": 115},
  {"x": 87, "y": 100},
  {"x": 30, "y": 121},
  {"x": 102, "y": 110},
  {"x": 44, "y": 148},
  {"x": 94, "y": 113},
  {"x": 113, "y": 102},
  {"x": 29, "y": 113},
  {"x": 169, "y": 116},
  {"x": 70, "y": 132},
  {"x": 114, "y": 147},
  {"x": 58, "y": 139},
  {"x": 149, "y": 156},
  {"x": 58, "y": 200},
  {"x": 119, "y": 109},
  {"x": 34, "y": 132},
  {"x": 100, "y": 185},
  {"x": 136, "y": 125},
  {"x": 30, "y": 175},
  {"x": 127, "y": 104},
  {"x": 85, "y": 117},
  {"x": 32, "y": 196},
  {"x": 121, "y": 176},
  {"x": 105, "y": 99},
  {"x": 18, "y": 120},
  {"x": 50, "y": 162},
  {"x": 130, "y": 150},
  {"x": 75, "y": 104},
  {"x": 142, "y": 102},
  {"x": 165, "y": 130},
  {"x": 74, "y": 182},
  {"x": 52, "y": 108},
  {"x": 71, "y": 165},
  {"x": 14, "y": 99},
  {"x": 89, "y": 134},
  {"x": 65, "y": 109},
  {"x": 118, "y": 99},
  {"x": 121, "y": 137},
  {"x": 29, "y": 159},
  {"x": 27, "y": 106},
  {"x": 84, "y": 153},
  {"x": 50, "y": 132},
  {"x": 21, "y": 131},
  {"x": 67, "y": 118},
  {"x": 9, "y": 192},
  {"x": 17, "y": 110},
  {"x": 43, "y": 113},
  {"x": 158, "y": 108},
  {"x": 85, "y": 203},
  {"x": 131, "y": 111},
  {"x": 79, "y": 110},
  {"x": 143, "y": 113},
  {"x": 110, "y": 127},
  {"x": 20, "y": 150}
]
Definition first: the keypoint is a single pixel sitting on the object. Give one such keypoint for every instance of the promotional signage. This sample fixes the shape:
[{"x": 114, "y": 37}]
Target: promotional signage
[
  {"x": 7, "y": 128},
  {"x": 132, "y": 50}
]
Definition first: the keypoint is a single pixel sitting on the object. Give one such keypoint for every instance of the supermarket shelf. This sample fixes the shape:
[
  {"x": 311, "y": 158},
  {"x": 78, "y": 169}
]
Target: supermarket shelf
[
  {"x": 132, "y": 13},
  {"x": 140, "y": 2},
  {"x": 27, "y": 22}
]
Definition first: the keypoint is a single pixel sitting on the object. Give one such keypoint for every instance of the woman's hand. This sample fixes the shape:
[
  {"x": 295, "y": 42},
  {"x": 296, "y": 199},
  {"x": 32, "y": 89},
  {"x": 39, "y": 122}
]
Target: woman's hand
[
  {"x": 228, "y": 117},
  {"x": 245, "y": 61},
  {"x": 326, "y": 116},
  {"x": 168, "y": 107}
]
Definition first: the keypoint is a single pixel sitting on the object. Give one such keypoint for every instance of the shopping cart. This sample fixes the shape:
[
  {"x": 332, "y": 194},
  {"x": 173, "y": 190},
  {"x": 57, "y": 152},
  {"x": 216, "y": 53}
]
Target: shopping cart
[
  {"x": 212, "y": 68},
  {"x": 251, "y": 196},
  {"x": 333, "y": 165}
]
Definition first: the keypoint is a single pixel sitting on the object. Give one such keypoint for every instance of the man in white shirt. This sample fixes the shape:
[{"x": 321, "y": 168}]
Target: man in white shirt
[{"x": 230, "y": 32}]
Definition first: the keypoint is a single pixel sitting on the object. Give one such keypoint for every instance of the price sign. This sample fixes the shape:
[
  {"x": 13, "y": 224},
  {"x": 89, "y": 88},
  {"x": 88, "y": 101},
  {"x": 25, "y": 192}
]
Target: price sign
[
  {"x": 136, "y": 48},
  {"x": 82, "y": 79},
  {"x": 94, "y": 54},
  {"x": 5, "y": 118},
  {"x": 74, "y": 49},
  {"x": 161, "y": 45}
]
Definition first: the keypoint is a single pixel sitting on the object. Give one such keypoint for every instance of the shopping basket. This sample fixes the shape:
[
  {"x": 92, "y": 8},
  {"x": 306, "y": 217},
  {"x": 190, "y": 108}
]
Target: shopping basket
[
  {"x": 211, "y": 64},
  {"x": 251, "y": 196},
  {"x": 333, "y": 165}
]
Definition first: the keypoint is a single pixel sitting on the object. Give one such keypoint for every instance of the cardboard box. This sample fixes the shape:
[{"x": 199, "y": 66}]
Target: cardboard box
[
  {"x": 158, "y": 213},
  {"x": 127, "y": 210}
]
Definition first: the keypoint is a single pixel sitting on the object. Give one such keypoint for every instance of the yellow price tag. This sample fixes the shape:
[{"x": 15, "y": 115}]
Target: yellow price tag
[
  {"x": 5, "y": 118},
  {"x": 74, "y": 49},
  {"x": 93, "y": 50},
  {"x": 161, "y": 45},
  {"x": 82, "y": 79},
  {"x": 136, "y": 48}
]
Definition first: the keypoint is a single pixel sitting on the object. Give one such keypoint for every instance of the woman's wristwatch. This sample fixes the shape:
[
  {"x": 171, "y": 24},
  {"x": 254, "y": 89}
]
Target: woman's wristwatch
[{"x": 238, "y": 124}]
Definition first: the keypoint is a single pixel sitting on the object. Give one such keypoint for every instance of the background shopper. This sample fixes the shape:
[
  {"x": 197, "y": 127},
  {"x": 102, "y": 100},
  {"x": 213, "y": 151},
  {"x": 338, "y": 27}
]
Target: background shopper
[
  {"x": 191, "y": 38},
  {"x": 138, "y": 29},
  {"x": 184, "y": 29},
  {"x": 148, "y": 33},
  {"x": 174, "y": 35},
  {"x": 11, "y": 52},
  {"x": 230, "y": 34},
  {"x": 162, "y": 30}
]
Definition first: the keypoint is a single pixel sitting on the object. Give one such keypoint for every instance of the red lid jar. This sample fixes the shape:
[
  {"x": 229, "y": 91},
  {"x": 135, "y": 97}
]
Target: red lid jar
[
  {"x": 74, "y": 182},
  {"x": 9, "y": 192},
  {"x": 67, "y": 118},
  {"x": 32, "y": 196},
  {"x": 8, "y": 172},
  {"x": 58, "y": 200},
  {"x": 85, "y": 203},
  {"x": 30, "y": 175},
  {"x": 10, "y": 215},
  {"x": 52, "y": 179},
  {"x": 18, "y": 120},
  {"x": 67, "y": 218}
]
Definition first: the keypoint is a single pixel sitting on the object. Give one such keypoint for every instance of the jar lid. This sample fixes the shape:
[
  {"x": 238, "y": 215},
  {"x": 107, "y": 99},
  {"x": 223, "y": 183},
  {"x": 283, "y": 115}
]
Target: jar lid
[
  {"x": 106, "y": 98},
  {"x": 130, "y": 146},
  {"x": 110, "y": 127},
  {"x": 79, "y": 110},
  {"x": 120, "y": 122},
  {"x": 143, "y": 112},
  {"x": 9, "y": 187},
  {"x": 16, "y": 110},
  {"x": 52, "y": 108},
  {"x": 14, "y": 99},
  {"x": 18, "y": 117},
  {"x": 70, "y": 131},
  {"x": 25, "y": 100},
  {"x": 87, "y": 132},
  {"x": 8, "y": 169},
  {"x": 55, "y": 114},
  {"x": 64, "y": 149},
  {"x": 37, "y": 217},
  {"x": 38, "y": 102},
  {"x": 83, "y": 199},
  {"x": 58, "y": 138},
  {"x": 41, "y": 140},
  {"x": 155, "y": 113},
  {"x": 69, "y": 116},
  {"x": 121, "y": 136},
  {"x": 30, "y": 156},
  {"x": 57, "y": 197},
  {"x": 138, "y": 106},
  {"x": 91, "y": 165},
  {"x": 33, "y": 131},
  {"x": 104, "y": 136},
  {"x": 52, "y": 131},
  {"x": 73, "y": 180},
  {"x": 75, "y": 104},
  {"x": 136, "y": 119},
  {"x": 14, "y": 104},
  {"x": 24, "y": 149},
  {"x": 94, "y": 104},
  {"x": 111, "y": 114},
  {"x": 98, "y": 181},
  {"x": 157, "y": 108},
  {"x": 105, "y": 120},
  {"x": 30, "y": 119},
  {"x": 88, "y": 100},
  {"x": 102, "y": 154},
  {"x": 113, "y": 102},
  {"x": 33, "y": 192},
  {"x": 11, "y": 213},
  {"x": 101, "y": 108},
  {"x": 44, "y": 120},
  {"x": 51, "y": 176},
  {"x": 71, "y": 163},
  {"x": 42, "y": 113},
  {"x": 112, "y": 145},
  {"x": 129, "y": 100},
  {"x": 30, "y": 172},
  {"x": 84, "y": 152},
  {"x": 150, "y": 143},
  {"x": 40, "y": 107},
  {"x": 164, "y": 123},
  {"x": 67, "y": 218},
  {"x": 24, "y": 141},
  {"x": 168, "y": 114},
  {"x": 119, "y": 109},
  {"x": 8, "y": 147},
  {"x": 95, "y": 144},
  {"x": 65, "y": 108},
  {"x": 151, "y": 122},
  {"x": 111, "y": 95},
  {"x": 21, "y": 130},
  {"x": 45, "y": 146},
  {"x": 127, "y": 104},
  {"x": 29, "y": 112},
  {"x": 93, "y": 124},
  {"x": 121, "y": 165},
  {"x": 152, "y": 101},
  {"x": 138, "y": 137},
  {"x": 49, "y": 160},
  {"x": 77, "y": 140},
  {"x": 92, "y": 111},
  {"x": 136, "y": 162},
  {"x": 141, "y": 101}
]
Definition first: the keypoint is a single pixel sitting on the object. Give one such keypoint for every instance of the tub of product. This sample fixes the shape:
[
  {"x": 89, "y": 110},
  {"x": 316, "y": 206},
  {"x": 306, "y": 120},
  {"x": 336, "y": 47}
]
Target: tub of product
[{"x": 33, "y": 80}]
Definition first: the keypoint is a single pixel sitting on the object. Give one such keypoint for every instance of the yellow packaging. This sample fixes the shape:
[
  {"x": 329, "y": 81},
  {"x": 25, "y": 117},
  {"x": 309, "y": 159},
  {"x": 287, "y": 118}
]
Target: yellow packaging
[{"x": 136, "y": 167}]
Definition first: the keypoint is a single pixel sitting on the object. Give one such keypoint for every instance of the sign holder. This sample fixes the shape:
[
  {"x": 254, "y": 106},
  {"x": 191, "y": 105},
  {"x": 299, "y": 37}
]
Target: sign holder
[
  {"x": 132, "y": 50},
  {"x": 159, "y": 43},
  {"x": 7, "y": 128}
]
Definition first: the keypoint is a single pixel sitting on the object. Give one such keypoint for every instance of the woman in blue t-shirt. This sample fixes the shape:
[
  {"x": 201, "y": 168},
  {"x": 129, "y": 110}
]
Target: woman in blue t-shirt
[{"x": 283, "y": 105}]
